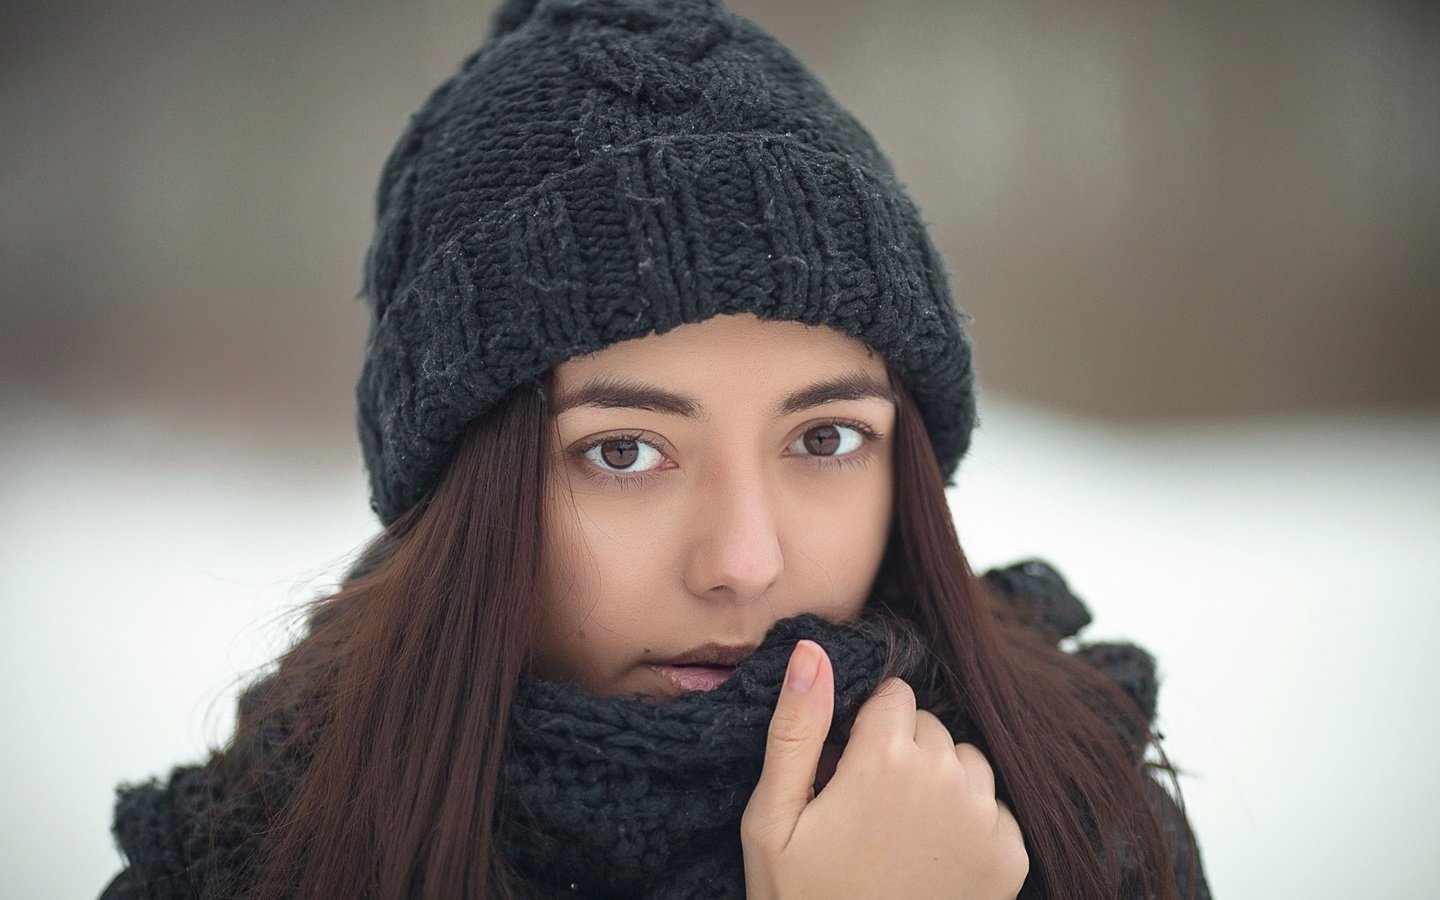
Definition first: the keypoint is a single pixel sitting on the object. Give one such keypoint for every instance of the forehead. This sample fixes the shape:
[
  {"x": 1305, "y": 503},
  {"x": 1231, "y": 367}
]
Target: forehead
[{"x": 741, "y": 350}]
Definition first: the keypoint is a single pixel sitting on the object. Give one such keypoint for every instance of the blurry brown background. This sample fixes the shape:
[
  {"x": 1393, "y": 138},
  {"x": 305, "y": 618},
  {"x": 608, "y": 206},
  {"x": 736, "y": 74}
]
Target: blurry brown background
[{"x": 1151, "y": 209}]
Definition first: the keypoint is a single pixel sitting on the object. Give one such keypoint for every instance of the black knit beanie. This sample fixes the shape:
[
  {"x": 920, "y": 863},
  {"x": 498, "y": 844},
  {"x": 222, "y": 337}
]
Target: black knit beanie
[{"x": 600, "y": 170}]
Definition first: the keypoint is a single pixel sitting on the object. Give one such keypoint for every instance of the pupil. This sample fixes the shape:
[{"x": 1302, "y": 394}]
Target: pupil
[
  {"x": 620, "y": 454},
  {"x": 822, "y": 441}
]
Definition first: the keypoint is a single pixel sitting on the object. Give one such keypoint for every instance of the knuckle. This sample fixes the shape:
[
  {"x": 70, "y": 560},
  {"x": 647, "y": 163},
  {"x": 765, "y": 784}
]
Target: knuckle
[
  {"x": 975, "y": 763},
  {"x": 928, "y": 725},
  {"x": 786, "y": 745},
  {"x": 895, "y": 689},
  {"x": 882, "y": 756},
  {"x": 1017, "y": 864},
  {"x": 896, "y": 753},
  {"x": 788, "y": 729},
  {"x": 893, "y": 693}
]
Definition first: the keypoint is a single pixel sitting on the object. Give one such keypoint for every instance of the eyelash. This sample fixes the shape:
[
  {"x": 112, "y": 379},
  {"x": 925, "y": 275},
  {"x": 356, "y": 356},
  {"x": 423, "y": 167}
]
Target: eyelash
[{"x": 626, "y": 482}]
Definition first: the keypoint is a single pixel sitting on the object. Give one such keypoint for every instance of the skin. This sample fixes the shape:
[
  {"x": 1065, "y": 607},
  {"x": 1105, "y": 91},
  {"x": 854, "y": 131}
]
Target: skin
[
  {"x": 908, "y": 814},
  {"x": 726, "y": 520},
  {"x": 723, "y": 517}
]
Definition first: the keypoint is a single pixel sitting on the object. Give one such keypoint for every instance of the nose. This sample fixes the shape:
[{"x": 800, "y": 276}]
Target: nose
[{"x": 734, "y": 551}]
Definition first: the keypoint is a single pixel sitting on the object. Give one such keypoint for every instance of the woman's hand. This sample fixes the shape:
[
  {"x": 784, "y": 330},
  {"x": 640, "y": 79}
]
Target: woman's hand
[{"x": 908, "y": 813}]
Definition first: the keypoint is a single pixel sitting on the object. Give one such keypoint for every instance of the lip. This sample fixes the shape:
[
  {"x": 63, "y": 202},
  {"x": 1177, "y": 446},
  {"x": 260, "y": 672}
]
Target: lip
[
  {"x": 684, "y": 679},
  {"x": 724, "y": 656},
  {"x": 702, "y": 669}
]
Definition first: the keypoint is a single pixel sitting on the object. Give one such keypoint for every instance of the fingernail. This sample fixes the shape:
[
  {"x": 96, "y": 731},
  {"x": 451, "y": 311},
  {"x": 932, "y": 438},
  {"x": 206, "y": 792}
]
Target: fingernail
[{"x": 804, "y": 668}]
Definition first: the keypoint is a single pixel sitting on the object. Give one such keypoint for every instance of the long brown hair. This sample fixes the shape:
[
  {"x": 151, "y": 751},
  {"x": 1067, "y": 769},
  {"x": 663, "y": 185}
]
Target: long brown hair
[
  {"x": 397, "y": 700},
  {"x": 1064, "y": 741}
]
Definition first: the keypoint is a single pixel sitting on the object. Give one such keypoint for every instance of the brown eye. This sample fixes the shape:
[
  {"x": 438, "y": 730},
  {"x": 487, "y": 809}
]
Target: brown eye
[
  {"x": 830, "y": 439},
  {"x": 623, "y": 454},
  {"x": 620, "y": 454},
  {"x": 822, "y": 440}
]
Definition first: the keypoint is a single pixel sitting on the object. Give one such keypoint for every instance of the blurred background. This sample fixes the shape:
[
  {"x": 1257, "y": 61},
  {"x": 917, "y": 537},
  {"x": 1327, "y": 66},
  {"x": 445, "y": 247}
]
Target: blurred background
[{"x": 1199, "y": 243}]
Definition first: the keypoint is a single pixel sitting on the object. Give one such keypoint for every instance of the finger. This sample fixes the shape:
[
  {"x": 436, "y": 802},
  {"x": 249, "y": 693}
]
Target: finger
[
  {"x": 931, "y": 734},
  {"x": 798, "y": 728},
  {"x": 977, "y": 769},
  {"x": 888, "y": 714}
]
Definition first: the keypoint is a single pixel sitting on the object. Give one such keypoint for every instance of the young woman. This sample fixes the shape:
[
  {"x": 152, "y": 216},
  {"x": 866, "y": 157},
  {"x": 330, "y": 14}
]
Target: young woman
[{"x": 659, "y": 400}]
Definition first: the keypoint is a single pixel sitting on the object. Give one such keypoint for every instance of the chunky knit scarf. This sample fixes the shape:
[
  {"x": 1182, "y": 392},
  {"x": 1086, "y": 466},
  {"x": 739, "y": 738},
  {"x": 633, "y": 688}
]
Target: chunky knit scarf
[
  {"x": 608, "y": 797},
  {"x": 625, "y": 798}
]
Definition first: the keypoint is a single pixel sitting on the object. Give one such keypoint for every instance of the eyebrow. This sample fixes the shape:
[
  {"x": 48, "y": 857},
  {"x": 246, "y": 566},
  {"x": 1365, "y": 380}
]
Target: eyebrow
[{"x": 613, "y": 392}]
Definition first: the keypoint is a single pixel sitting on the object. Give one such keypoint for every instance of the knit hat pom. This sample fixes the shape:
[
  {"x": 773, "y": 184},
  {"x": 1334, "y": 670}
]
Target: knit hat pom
[
  {"x": 509, "y": 16},
  {"x": 636, "y": 15}
]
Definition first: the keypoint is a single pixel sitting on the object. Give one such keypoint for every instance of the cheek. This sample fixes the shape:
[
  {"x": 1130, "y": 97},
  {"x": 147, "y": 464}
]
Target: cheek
[
  {"x": 839, "y": 561},
  {"x": 865, "y": 536},
  {"x": 599, "y": 580},
  {"x": 567, "y": 584},
  {"x": 599, "y": 559}
]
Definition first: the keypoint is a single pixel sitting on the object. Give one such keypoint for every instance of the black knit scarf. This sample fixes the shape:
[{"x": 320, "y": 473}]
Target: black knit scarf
[{"x": 613, "y": 797}]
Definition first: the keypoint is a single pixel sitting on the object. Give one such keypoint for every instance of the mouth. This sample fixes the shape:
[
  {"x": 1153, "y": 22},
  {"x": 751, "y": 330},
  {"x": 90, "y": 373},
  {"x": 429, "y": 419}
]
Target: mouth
[
  {"x": 702, "y": 669},
  {"x": 683, "y": 679}
]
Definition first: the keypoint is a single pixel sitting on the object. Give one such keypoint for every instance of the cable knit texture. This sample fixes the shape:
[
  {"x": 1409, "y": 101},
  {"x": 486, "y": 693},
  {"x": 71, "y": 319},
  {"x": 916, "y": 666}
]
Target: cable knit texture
[
  {"x": 605, "y": 796},
  {"x": 600, "y": 170}
]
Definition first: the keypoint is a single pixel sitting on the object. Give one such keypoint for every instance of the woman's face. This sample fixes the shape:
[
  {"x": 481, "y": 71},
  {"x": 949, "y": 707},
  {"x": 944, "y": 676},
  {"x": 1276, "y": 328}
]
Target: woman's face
[{"x": 704, "y": 484}]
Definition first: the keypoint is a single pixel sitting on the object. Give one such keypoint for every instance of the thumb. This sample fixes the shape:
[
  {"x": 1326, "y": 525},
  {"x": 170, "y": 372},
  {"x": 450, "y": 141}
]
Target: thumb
[{"x": 798, "y": 729}]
